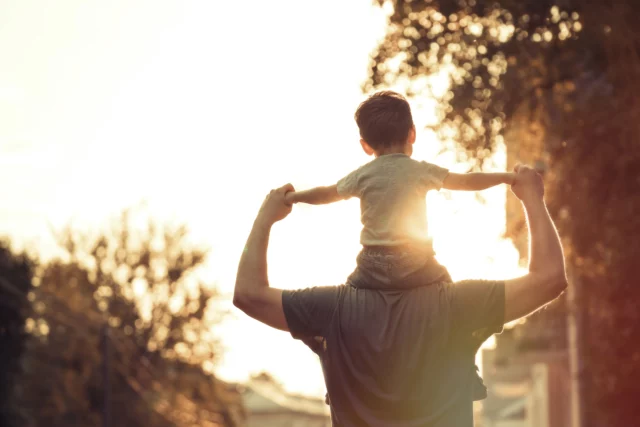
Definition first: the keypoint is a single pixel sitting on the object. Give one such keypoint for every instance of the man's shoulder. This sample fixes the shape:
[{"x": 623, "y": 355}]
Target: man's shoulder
[
  {"x": 320, "y": 288},
  {"x": 309, "y": 311},
  {"x": 327, "y": 294}
]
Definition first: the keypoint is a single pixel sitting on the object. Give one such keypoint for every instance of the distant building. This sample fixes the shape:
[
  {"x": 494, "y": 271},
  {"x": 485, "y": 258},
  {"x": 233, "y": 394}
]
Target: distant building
[
  {"x": 267, "y": 404},
  {"x": 528, "y": 387},
  {"x": 209, "y": 401}
]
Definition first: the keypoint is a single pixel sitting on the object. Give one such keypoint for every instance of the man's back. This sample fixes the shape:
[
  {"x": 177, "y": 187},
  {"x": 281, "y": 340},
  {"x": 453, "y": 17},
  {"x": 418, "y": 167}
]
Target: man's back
[{"x": 398, "y": 358}]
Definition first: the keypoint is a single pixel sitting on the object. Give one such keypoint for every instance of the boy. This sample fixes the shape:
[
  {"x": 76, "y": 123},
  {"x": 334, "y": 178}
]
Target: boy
[{"x": 397, "y": 252}]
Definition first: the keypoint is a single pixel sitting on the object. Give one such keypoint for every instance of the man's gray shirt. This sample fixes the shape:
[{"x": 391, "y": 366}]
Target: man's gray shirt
[{"x": 398, "y": 358}]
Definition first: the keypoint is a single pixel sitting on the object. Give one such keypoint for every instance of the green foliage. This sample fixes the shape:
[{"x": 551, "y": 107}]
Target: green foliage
[
  {"x": 16, "y": 272},
  {"x": 135, "y": 288},
  {"x": 559, "y": 75},
  {"x": 487, "y": 49},
  {"x": 143, "y": 279}
]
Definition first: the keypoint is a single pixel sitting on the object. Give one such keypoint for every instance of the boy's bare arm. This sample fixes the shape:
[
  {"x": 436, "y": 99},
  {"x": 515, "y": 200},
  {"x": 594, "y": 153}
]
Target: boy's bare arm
[
  {"x": 476, "y": 181},
  {"x": 314, "y": 196}
]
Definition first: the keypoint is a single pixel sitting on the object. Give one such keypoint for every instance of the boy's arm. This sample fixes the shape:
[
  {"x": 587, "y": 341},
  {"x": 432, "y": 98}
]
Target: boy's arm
[
  {"x": 476, "y": 181},
  {"x": 314, "y": 196}
]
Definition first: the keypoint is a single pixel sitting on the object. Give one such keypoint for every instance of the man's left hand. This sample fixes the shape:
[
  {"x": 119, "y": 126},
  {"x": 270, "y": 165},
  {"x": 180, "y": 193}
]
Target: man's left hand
[{"x": 275, "y": 208}]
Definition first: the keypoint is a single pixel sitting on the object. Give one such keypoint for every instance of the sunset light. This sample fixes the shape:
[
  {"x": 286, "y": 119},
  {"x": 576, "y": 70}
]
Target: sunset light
[{"x": 172, "y": 200}]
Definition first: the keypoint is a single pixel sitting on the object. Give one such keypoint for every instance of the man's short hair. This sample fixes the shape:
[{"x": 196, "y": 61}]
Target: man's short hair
[{"x": 384, "y": 119}]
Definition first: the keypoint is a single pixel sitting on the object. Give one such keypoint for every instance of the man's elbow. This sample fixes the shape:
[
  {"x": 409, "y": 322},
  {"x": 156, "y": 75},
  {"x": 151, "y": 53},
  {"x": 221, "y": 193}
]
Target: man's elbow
[
  {"x": 562, "y": 283},
  {"x": 240, "y": 300},
  {"x": 243, "y": 300},
  {"x": 556, "y": 284}
]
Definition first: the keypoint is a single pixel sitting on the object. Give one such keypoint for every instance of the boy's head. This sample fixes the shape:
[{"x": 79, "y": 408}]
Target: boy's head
[{"x": 385, "y": 123}]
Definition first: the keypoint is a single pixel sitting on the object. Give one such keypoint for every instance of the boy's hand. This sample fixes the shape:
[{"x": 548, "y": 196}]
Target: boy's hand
[
  {"x": 511, "y": 178},
  {"x": 289, "y": 197}
]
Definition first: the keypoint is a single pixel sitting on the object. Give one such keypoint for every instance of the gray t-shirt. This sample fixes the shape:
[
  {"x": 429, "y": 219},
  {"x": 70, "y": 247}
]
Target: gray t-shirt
[
  {"x": 392, "y": 191},
  {"x": 398, "y": 358}
]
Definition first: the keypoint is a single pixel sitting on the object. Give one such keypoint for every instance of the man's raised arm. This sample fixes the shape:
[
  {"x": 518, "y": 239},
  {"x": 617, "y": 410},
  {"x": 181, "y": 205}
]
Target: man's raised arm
[
  {"x": 546, "y": 279},
  {"x": 252, "y": 293}
]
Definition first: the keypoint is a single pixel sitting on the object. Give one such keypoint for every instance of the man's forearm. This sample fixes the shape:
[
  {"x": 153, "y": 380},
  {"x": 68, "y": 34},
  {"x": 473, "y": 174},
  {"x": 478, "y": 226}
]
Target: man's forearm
[
  {"x": 546, "y": 278},
  {"x": 545, "y": 248},
  {"x": 252, "y": 292},
  {"x": 252, "y": 269}
]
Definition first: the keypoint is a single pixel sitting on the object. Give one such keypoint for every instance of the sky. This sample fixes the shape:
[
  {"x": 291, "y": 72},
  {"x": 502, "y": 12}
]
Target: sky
[{"x": 199, "y": 108}]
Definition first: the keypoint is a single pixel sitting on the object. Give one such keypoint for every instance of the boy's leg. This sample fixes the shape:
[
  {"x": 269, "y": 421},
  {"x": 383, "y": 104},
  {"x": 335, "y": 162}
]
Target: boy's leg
[
  {"x": 396, "y": 269},
  {"x": 372, "y": 270},
  {"x": 415, "y": 268}
]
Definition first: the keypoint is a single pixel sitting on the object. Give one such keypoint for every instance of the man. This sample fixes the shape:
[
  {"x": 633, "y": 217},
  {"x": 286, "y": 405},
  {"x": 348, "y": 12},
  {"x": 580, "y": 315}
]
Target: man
[{"x": 402, "y": 358}]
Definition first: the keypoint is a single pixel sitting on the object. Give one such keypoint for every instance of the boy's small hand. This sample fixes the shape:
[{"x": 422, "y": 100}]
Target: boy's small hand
[
  {"x": 511, "y": 178},
  {"x": 289, "y": 198}
]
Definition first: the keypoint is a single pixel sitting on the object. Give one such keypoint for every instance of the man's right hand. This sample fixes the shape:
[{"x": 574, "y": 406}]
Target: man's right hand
[{"x": 528, "y": 184}]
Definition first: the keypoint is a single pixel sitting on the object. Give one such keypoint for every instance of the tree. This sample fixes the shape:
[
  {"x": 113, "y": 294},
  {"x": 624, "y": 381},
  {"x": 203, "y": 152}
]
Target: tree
[
  {"x": 16, "y": 272},
  {"x": 487, "y": 49},
  {"x": 144, "y": 282},
  {"x": 561, "y": 76},
  {"x": 129, "y": 296}
]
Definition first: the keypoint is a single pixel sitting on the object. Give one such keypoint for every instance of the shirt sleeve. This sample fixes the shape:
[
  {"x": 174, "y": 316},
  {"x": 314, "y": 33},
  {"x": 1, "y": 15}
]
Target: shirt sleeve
[
  {"x": 309, "y": 311},
  {"x": 348, "y": 186},
  {"x": 432, "y": 175},
  {"x": 478, "y": 309}
]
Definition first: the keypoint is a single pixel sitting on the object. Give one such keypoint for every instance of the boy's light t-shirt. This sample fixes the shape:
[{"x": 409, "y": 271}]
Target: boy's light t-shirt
[{"x": 392, "y": 190}]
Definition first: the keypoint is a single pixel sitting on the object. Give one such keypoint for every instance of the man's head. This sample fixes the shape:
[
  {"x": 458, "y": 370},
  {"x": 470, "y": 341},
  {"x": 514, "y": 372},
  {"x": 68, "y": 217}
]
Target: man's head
[{"x": 385, "y": 124}]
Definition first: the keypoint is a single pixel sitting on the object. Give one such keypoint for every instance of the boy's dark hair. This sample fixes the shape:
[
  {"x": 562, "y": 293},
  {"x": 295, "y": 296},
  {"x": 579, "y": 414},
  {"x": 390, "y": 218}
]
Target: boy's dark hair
[{"x": 384, "y": 119}]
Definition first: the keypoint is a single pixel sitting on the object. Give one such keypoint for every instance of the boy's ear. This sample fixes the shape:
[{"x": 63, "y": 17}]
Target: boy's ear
[
  {"x": 412, "y": 135},
  {"x": 367, "y": 148}
]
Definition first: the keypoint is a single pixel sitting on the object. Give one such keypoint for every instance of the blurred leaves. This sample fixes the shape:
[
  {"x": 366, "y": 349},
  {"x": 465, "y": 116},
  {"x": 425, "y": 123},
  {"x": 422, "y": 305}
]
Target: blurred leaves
[
  {"x": 141, "y": 279},
  {"x": 485, "y": 49},
  {"x": 16, "y": 272},
  {"x": 135, "y": 286}
]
